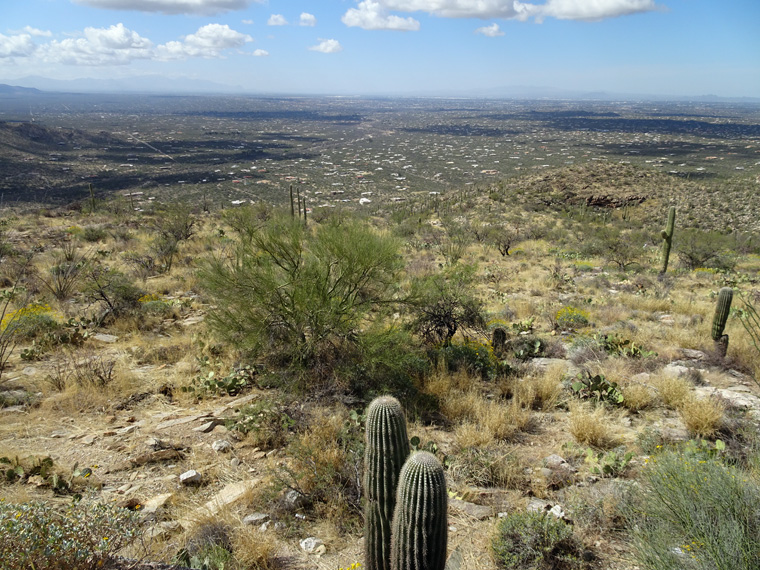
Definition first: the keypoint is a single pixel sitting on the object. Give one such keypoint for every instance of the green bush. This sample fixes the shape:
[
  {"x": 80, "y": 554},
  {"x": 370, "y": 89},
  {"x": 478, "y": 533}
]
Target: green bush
[
  {"x": 475, "y": 357},
  {"x": 299, "y": 297},
  {"x": 79, "y": 537},
  {"x": 695, "y": 512},
  {"x": 93, "y": 234},
  {"x": 534, "y": 541},
  {"x": 571, "y": 318}
]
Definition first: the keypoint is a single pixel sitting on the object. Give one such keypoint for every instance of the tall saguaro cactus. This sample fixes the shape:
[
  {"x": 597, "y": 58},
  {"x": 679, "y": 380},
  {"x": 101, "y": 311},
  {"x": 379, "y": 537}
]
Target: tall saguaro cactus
[
  {"x": 420, "y": 524},
  {"x": 667, "y": 237},
  {"x": 386, "y": 450},
  {"x": 722, "y": 308}
]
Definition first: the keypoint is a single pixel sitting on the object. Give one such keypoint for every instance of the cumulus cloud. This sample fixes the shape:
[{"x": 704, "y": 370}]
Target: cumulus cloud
[
  {"x": 38, "y": 33},
  {"x": 307, "y": 19},
  {"x": 492, "y": 31},
  {"x": 327, "y": 46},
  {"x": 197, "y": 7},
  {"x": 20, "y": 45},
  {"x": 595, "y": 10},
  {"x": 277, "y": 20},
  {"x": 260, "y": 53},
  {"x": 208, "y": 42},
  {"x": 373, "y": 15},
  {"x": 115, "y": 45},
  {"x": 247, "y": 22}
]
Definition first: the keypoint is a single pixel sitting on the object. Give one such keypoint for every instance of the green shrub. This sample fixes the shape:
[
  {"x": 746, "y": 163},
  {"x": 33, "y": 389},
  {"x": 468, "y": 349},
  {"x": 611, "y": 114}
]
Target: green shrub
[
  {"x": 94, "y": 234},
  {"x": 79, "y": 537},
  {"x": 473, "y": 356},
  {"x": 534, "y": 541},
  {"x": 695, "y": 512},
  {"x": 299, "y": 297},
  {"x": 571, "y": 318},
  {"x": 268, "y": 423}
]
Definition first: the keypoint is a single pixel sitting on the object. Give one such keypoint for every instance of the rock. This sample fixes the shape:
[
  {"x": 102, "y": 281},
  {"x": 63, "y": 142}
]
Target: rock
[
  {"x": 181, "y": 421},
  {"x": 294, "y": 499},
  {"x": 29, "y": 371},
  {"x": 37, "y": 481},
  {"x": 155, "y": 503},
  {"x": 208, "y": 426},
  {"x": 256, "y": 518},
  {"x": 221, "y": 446},
  {"x": 127, "y": 430},
  {"x": 557, "y": 511},
  {"x": 455, "y": 560},
  {"x": 107, "y": 338},
  {"x": 234, "y": 462},
  {"x": 311, "y": 544},
  {"x": 478, "y": 512},
  {"x": 556, "y": 462},
  {"x": 189, "y": 321},
  {"x": 191, "y": 477},
  {"x": 692, "y": 354},
  {"x": 89, "y": 439},
  {"x": 230, "y": 494},
  {"x": 538, "y": 506},
  {"x": 675, "y": 370}
]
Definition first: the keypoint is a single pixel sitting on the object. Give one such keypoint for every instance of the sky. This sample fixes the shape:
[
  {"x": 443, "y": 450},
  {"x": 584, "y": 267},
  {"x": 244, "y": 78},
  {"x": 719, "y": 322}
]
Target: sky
[{"x": 394, "y": 47}]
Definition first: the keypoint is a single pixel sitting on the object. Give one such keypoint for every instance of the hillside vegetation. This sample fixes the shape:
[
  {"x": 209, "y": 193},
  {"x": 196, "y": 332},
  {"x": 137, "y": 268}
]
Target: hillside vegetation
[{"x": 586, "y": 410}]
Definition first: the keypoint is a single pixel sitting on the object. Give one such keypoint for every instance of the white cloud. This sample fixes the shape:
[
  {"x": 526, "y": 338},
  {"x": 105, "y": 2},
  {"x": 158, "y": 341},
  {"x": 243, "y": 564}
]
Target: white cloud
[
  {"x": 116, "y": 45},
  {"x": 492, "y": 31},
  {"x": 197, "y": 7},
  {"x": 39, "y": 33},
  {"x": 277, "y": 20},
  {"x": 260, "y": 53},
  {"x": 327, "y": 46},
  {"x": 307, "y": 19},
  {"x": 16, "y": 46},
  {"x": 594, "y": 10},
  {"x": 208, "y": 42},
  {"x": 247, "y": 22},
  {"x": 372, "y": 15}
]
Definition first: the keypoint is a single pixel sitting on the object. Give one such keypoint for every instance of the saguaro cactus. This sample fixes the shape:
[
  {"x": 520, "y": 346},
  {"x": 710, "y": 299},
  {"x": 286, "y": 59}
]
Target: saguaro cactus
[
  {"x": 667, "y": 237},
  {"x": 722, "y": 308},
  {"x": 386, "y": 450},
  {"x": 420, "y": 524}
]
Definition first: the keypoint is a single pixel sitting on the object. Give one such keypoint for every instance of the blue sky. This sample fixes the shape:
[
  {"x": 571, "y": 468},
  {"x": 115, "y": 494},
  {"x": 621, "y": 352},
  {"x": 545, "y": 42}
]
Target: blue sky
[{"x": 661, "y": 47}]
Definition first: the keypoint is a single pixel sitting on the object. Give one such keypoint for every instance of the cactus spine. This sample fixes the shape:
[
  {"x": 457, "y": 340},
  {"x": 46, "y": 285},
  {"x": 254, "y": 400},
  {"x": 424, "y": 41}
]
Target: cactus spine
[
  {"x": 667, "y": 237},
  {"x": 387, "y": 447},
  {"x": 722, "y": 308},
  {"x": 420, "y": 524}
]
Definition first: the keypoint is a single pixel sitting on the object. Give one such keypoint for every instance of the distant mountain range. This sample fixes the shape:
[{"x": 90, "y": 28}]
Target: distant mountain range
[{"x": 158, "y": 84}]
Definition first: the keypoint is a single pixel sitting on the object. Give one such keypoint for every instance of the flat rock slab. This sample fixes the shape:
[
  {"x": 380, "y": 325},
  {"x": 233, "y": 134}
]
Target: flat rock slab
[
  {"x": 230, "y": 494},
  {"x": 471, "y": 509},
  {"x": 181, "y": 421},
  {"x": 107, "y": 338}
]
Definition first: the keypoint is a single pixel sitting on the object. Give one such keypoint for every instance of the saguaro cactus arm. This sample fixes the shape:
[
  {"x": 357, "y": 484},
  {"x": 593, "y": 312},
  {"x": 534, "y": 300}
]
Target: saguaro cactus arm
[{"x": 667, "y": 237}]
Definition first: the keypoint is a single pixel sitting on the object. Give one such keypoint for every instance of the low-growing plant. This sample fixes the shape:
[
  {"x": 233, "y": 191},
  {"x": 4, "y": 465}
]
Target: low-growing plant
[
  {"x": 616, "y": 345},
  {"x": 267, "y": 424},
  {"x": 608, "y": 464},
  {"x": 693, "y": 511},
  {"x": 597, "y": 387},
  {"x": 472, "y": 356},
  {"x": 82, "y": 536},
  {"x": 571, "y": 318},
  {"x": 209, "y": 384},
  {"x": 535, "y": 541}
]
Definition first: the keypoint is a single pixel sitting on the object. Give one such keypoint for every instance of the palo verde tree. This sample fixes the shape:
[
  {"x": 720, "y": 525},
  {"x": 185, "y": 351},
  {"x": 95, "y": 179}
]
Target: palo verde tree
[{"x": 300, "y": 297}]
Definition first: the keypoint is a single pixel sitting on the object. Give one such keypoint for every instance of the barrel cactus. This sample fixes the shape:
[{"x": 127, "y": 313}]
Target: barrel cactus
[
  {"x": 420, "y": 524},
  {"x": 722, "y": 308},
  {"x": 387, "y": 447},
  {"x": 667, "y": 237}
]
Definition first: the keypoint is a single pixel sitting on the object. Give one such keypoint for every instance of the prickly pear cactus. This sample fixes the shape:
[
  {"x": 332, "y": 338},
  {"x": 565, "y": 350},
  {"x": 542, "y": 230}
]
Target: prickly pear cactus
[
  {"x": 420, "y": 523},
  {"x": 386, "y": 450},
  {"x": 667, "y": 237},
  {"x": 722, "y": 308}
]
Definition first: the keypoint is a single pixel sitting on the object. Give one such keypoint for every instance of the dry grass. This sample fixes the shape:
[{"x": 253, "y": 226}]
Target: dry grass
[
  {"x": 254, "y": 549},
  {"x": 638, "y": 396},
  {"x": 703, "y": 417},
  {"x": 543, "y": 390},
  {"x": 673, "y": 390},
  {"x": 592, "y": 426}
]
